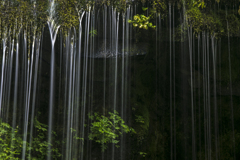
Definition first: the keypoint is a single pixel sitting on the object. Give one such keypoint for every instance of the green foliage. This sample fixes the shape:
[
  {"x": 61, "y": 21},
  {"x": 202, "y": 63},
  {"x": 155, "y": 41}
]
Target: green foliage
[
  {"x": 22, "y": 13},
  {"x": 139, "y": 119},
  {"x": 159, "y": 6},
  {"x": 39, "y": 147},
  {"x": 120, "y": 5},
  {"x": 32, "y": 15},
  {"x": 202, "y": 21},
  {"x": 11, "y": 142},
  {"x": 199, "y": 4},
  {"x": 142, "y": 123},
  {"x": 75, "y": 135},
  {"x": 200, "y": 17},
  {"x": 93, "y": 32},
  {"x": 143, "y": 154},
  {"x": 106, "y": 130},
  {"x": 67, "y": 14},
  {"x": 144, "y": 8},
  {"x": 141, "y": 21}
]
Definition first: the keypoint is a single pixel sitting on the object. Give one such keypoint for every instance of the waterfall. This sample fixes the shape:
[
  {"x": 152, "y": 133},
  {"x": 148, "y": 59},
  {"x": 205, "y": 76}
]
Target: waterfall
[{"x": 119, "y": 80}]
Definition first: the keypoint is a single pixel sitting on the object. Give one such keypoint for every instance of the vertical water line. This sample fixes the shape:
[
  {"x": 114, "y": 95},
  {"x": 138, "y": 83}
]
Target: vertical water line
[
  {"x": 230, "y": 86},
  {"x": 156, "y": 56},
  {"x": 69, "y": 106},
  {"x": 6, "y": 79},
  {"x": 38, "y": 44},
  {"x": 15, "y": 89},
  {"x": 4, "y": 42},
  {"x": 105, "y": 62},
  {"x": 30, "y": 82},
  {"x": 190, "y": 35},
  {"x": 53, "y": 28},
  {"x": 123, "y": 79},
  {"x": 66, "y": 72},
  {"x": 73, "y": 107},
  {"x": 10, "y": 75},
  {"x": 204, "y": 91},
  {"x": 116, "y": 70},
  {"x": 174, "y": 88},
  {"x": 220, "y": 92},
  {"x": 105, "y": 56},
  {"x": 126, "y": 87},
  {"x": 25, "y": 91},
  {"x": 199, "y": 93},
  {"x": 78, "y": 72},
  {"x": 73, "y": 71},
  {"x": 29, "y": 88},
  {"x": 6, "y": 82},
  {"x": 214, "y": 57},
  {"x": 85, "y": 68},
  {"x": 170, "y": 69},
  {"x": 60, "y": 73},
  {"x": 92, "y": 70},
  {"x": 88, "y": 87},
  {"x": 208, "y": 96},
  {"x": 89, "y": 84}
]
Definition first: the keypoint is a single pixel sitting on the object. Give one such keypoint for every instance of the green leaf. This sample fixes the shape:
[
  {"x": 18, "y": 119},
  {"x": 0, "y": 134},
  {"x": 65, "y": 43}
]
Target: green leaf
[{"x": 144, "y": 8}]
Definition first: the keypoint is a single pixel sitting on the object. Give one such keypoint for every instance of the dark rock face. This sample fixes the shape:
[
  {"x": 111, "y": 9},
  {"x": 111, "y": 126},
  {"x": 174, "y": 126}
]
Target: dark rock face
[{"x": 132, "y": 50}]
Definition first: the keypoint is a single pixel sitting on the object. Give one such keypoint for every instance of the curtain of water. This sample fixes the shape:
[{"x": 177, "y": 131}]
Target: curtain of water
[
  {"x": 79, "y": 69},
  {"x": 72, "y": 63},
  {"x": 10, "y": 48}
]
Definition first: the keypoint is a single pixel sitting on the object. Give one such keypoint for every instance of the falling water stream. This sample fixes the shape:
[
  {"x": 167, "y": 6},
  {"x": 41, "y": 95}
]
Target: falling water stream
[{"x": 173, "y": 85}]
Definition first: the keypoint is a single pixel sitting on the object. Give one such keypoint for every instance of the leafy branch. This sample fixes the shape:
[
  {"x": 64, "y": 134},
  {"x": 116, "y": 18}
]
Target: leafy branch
[
  {"x": 107, "y": 129},
  {"x": 142, "y": 21}
]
